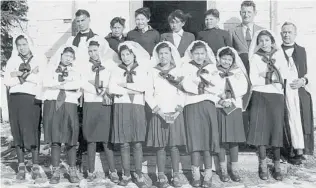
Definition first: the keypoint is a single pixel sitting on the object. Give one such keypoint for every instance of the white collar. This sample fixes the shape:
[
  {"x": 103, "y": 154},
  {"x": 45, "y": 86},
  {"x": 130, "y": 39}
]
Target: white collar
[
  {"x": 250, "y": 26},
  {"x": 289, "y": 44},
  {"x": 179, "y": 33}
]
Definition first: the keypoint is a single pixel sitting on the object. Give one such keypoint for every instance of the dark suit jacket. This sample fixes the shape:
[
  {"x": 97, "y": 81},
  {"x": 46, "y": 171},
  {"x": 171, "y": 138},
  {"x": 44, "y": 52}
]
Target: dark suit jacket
[
  {"x": 240, "y": 44},
  {"x": 186, "y": 40}
]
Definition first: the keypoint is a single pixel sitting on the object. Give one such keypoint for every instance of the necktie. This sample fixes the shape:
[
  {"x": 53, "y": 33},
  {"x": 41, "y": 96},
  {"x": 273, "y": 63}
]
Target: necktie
[{"x": 248, "y": 36}]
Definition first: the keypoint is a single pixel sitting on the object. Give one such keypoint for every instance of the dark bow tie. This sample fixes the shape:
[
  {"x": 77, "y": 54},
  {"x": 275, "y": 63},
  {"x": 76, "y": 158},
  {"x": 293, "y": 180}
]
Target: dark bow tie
[
  {"x": 225, "y": 74},
  {"x": 63, "y": 70},
  {"x": 25, "y": 67},
  {"x": 83, "y": 34},
  {"x": 96, "y": 65},
  {"x": 129, "y": 73}
]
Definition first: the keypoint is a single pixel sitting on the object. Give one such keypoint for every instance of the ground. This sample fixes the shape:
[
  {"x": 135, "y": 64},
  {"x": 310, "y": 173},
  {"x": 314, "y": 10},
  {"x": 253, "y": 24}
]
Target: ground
[{"x": 303, "y": 176}]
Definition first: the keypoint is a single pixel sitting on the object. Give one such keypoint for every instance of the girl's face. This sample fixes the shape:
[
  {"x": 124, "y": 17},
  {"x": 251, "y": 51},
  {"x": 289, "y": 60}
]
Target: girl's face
[
  {"x": 127, "y": 57},
  {"x": 211, "y": 21},
  {"x": 141, "y": 21},
  {"x": 164, "y": 56},
  {"x": 226, "y": 61},
  {"x": 176, "y": 25},
  {"x": 199, "y": 55},
  {"x": 67, "y": 58},
  {"x": 93, "y": 51},
  {"x": 265, "y": 43}
]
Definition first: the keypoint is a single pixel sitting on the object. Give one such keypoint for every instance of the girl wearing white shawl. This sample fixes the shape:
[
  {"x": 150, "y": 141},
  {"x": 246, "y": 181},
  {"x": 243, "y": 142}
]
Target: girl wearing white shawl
[
  {"x": 268, "y": 70},
  {"x": 22, "y": 77},
  {"x": 202, "y": 84},
  {"x": 62, "y": 83},
  {"x": 229, "y": 112},
  {"x": 129, "y": 120},
  {"x": 97, "y": 107},
  {"x": 166, "y": 125}
]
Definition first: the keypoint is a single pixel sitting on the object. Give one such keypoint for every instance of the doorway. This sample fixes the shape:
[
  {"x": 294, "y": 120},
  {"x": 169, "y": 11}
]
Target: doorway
[{"x": 160, "y": 11}]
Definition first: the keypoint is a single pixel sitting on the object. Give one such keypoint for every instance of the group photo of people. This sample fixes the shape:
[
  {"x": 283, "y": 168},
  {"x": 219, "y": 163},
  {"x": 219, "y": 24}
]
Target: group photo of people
[{"x": 205, "y": 95}]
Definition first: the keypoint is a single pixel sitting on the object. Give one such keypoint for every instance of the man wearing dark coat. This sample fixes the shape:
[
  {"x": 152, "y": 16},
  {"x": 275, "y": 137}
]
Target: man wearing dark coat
[{"x": 297, "y": 54}]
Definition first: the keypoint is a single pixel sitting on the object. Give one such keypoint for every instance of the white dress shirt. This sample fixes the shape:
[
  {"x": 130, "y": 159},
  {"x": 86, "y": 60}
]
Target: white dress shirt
[
  {"x": 177, "y": 37},
  {"x": 245, "y": 27}
]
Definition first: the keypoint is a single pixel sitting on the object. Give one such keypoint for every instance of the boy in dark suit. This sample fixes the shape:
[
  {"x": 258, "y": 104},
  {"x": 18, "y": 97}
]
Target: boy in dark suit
[{"x": 178, "y": 37}]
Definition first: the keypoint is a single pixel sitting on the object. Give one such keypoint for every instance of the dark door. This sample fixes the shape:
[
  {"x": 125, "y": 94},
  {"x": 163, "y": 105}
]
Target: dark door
[{"x": 161, "y": 9}]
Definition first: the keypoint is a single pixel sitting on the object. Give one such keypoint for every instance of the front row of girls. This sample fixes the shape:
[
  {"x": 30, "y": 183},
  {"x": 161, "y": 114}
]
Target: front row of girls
[{"x": 195, "y": 101}]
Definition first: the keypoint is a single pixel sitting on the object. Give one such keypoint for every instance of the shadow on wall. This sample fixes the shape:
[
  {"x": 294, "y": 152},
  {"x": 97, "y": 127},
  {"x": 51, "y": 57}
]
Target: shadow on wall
[
  {"x": 62, "y": 40},
  {"x": 231, "y": 23}
]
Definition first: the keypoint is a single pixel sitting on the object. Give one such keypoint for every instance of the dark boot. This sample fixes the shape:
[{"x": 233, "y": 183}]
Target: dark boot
[
  {"x": 263, "y": 169},
  {"x": 73, "y": 177},
  {"x": 114, "y": 177},
  {"x": 207, "y": 182},
  {"x": 21, "y": 172},
  {"x": 36, "y": 174},
  {"x": 223, "y": 172},
  {"x": 196, "y": 176},
  {"x": 234, "y": 175},
  {"x": 56, "y": 176},
  {"x": 125, "y": 180},
  {"x": 162, "y": 180},
  {"x": 277, "y": 171}
]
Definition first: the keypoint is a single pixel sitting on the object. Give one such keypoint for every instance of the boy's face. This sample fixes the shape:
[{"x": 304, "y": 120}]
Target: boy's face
[
  {"x": 117, "y": 29},
  {"x": 211, "y": 21},
  {"x": 176, "y": 25}
]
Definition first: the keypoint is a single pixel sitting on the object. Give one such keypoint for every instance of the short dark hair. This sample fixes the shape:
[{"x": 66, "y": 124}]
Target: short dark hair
[
  {"x": 117, "y": 20},
  {"x": 161, "y": 46},
  {"x": 266, "y": 33},
  {"x": 248, "y": 4},
  {"x": 94, "y": 43},
  {"x": 214, "y": 12},
  {"x": 227, "y": 51},
  {"x": 290, "y": 23},
  {"x": 197, "y": 45},
  {"x": 82, "y": 12},
  {"x": 19, "y": 38},
  {"x": 178, "y": 14},
  {"x": 70, "y": 50},
  {"x": 144, "y": 11}
]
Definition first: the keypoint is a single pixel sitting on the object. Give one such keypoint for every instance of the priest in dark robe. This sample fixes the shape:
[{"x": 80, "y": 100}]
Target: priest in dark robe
[{"x": 299, "y": 129}]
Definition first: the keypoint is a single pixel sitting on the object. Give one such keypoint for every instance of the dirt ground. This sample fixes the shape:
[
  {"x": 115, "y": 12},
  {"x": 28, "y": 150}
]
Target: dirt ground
[{"x": 303, "y": 176}]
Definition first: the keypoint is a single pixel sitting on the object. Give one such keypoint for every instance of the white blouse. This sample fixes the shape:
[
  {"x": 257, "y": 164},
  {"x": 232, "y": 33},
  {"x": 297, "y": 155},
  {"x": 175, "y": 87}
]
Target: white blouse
[
  {"x": 258, "y": 70},
  {"x": 162, "y": 94},
  {"x": 32, "y": 84},
  {"x": 137, "y": 88},
  {"x": 239, "y": 86},
  {"x": 191, "y": 81},
  {"x": 72, "y": 82},
  {"x": 89, "y": 91}
]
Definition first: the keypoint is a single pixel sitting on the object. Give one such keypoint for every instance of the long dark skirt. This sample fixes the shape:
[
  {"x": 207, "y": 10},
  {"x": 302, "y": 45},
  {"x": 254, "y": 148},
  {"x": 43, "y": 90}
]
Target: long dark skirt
[
  {"x": 24, "y": 118},
  {"x": 129, "y": 123},
  {"x": 266, "y": 119},
  {"x": 201, "y": 125},
  {"x": 61, "y": 126},
  {"x": 162, "y": 134},
  {"x": 97, "y": 121},
  {"x": 231, "y": 126}
]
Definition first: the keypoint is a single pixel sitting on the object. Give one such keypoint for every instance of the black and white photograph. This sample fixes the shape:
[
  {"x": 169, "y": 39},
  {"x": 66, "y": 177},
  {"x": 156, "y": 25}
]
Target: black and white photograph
[{"x": 158, "y": 94}]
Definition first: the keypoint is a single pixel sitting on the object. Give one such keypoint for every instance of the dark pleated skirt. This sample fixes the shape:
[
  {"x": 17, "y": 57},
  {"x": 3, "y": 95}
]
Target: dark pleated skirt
[
  {"x": 162, "y": 134},
  {"x": 266, "y": 119},
  {"x": 231, "y": 126},
  {"x": 61, "y": 126},
  {"x": 201, "y": 126},
  {"x": 24, "y": 117},
  {"x": 129, "y": 123},
  {"x": 97, "y": 121}
]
